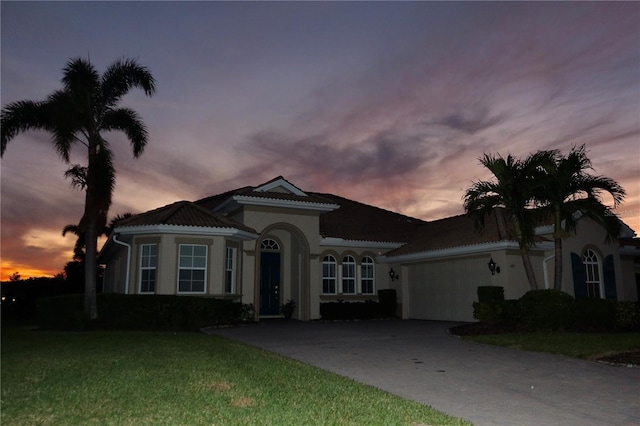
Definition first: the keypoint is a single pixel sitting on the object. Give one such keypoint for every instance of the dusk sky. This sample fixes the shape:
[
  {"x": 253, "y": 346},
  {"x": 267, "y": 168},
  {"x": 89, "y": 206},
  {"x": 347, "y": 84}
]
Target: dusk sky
[{"x": 387, "y": 103}]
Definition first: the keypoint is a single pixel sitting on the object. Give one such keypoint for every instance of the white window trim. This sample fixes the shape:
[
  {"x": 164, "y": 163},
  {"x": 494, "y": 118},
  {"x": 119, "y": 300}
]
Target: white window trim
[
  {"x": 146, "y": 268},
  {"x": 373, "y": 275},
  {"x": 598, "y": 264},
  {"x": 354, "y": 278},
  {"x": 334, "y": 277},
  {"x": 206, "y": 267},
  {"x": 232, "y": 269}
]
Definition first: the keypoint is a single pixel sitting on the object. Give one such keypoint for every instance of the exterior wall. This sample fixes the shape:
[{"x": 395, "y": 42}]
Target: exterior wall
[
  {"x": 589, "y": 235},
  {"x": 114, "y": 280},
  {"x": 445, "y": 289},
  {"x": 630, "y": 290},
  {"x": 167, "y": 268}
]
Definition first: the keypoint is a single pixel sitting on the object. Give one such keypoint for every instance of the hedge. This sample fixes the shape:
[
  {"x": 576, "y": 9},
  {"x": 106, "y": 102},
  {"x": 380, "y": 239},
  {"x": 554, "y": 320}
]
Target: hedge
[{"x": 117, "y": 311}]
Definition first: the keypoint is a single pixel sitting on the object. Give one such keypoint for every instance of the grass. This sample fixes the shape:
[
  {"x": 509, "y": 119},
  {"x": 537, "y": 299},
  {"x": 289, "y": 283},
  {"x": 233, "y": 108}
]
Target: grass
[
  {"x": 146, "y": 378},
  {"x": 573, "y": 344}
]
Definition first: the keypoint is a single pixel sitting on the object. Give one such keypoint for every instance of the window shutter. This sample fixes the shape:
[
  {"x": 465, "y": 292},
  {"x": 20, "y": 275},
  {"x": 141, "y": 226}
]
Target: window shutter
[
  {"x": 609, "y": 278},
  {"x": 579, "y": 277}
]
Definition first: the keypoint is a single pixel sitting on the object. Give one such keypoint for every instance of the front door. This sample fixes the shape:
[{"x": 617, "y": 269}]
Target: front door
[{"x": 269, "y": 283}]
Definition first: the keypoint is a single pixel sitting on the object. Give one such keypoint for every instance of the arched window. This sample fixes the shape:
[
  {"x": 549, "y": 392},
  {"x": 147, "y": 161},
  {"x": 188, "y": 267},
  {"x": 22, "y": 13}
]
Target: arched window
[
  {"x": 269, "y": 244},
  {"x": 348, "y": 275},
  {"x": 366, "y": 275},
  {"x": 329, "y": 276},
  {"x": 593, "y": 278}
]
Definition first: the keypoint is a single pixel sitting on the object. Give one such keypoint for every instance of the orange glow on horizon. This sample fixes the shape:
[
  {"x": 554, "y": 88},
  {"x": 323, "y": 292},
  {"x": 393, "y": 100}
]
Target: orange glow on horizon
[{"x": 8, "y": 268}]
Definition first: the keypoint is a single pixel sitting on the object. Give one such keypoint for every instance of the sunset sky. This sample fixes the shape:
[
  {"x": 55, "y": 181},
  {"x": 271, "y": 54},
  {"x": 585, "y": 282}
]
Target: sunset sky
[{"x": 386, "y": 103}]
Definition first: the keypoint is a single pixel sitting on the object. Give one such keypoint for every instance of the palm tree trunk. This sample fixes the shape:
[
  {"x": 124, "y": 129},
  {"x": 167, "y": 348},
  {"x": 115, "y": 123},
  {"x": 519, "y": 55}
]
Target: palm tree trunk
[
  {"x": 528, "y": 268},
  {"x": 557, "y": 255},
  {"x": 90, "y": 267},
  {"x": 557, "y": 269}
]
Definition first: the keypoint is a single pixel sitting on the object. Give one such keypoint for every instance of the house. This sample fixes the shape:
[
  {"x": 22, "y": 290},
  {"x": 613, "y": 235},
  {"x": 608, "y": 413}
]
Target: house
[{"x": 274, "y": 242}]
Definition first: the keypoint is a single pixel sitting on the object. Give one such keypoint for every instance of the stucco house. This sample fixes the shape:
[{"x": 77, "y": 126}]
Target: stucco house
[{"x": 274, "y": 242}]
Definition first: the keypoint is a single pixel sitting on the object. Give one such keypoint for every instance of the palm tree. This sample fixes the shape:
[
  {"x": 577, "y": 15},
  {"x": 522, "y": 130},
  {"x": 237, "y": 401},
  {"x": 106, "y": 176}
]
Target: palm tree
[
  {"x": 512, "y": 189},
  {"x": 570, "y": 192},
  {"x": 79, "y": 113}
]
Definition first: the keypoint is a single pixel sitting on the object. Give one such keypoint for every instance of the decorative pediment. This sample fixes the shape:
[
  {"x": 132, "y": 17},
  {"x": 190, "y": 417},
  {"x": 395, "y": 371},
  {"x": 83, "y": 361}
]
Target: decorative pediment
[{"x": 280, "y": 185}]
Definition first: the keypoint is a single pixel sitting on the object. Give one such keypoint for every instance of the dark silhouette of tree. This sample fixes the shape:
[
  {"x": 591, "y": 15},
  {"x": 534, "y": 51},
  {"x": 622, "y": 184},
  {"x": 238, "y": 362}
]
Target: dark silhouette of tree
[
  {"x": 513, "y": 187},
  {"x": 78, "y": 114},
  {"x": 570, "y": 192},
  {"x": 79, "y": 247}
]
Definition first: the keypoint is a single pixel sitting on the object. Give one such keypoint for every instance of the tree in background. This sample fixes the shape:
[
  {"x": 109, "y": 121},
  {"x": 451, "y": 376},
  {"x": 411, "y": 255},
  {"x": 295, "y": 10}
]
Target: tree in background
[{"x": 79, "y": 113}]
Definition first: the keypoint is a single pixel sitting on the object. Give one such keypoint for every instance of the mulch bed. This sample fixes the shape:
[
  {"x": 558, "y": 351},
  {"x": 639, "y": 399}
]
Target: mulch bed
[{"x": 631, "y": 359}]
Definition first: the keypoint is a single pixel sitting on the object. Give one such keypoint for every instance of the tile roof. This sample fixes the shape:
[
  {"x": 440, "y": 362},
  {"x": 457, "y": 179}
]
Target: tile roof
[
  {"x": 459, "y": 231},
  {"x": 183, "y": 213},
  {"x": 361, "y": 222},
  {"x": 452, "y": 232}
]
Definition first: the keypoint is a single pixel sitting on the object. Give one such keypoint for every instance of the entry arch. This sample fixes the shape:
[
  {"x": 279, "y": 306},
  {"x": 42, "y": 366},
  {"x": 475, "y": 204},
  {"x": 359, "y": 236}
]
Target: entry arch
[{"x": 294, "y": 266}]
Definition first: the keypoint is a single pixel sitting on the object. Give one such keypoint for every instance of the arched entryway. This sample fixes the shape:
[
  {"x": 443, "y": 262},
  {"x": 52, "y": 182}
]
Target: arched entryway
[{"x": 282, "y": 271}]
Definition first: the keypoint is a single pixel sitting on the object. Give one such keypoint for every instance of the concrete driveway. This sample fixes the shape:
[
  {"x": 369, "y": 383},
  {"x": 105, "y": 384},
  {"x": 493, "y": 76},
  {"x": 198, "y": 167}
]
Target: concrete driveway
[{"x": 485, "y": 384}]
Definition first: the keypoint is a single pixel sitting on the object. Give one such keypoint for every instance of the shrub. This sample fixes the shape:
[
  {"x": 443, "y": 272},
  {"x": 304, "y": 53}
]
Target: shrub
[
  {"x": 135, "y": 312},
  {"x": 488, "y": 294},
  {"x": 388, "y": 302},
  {"x": 628, "y": 316},
  {"x": 546, "y": 310},
  {"x": 595, "y": 314},
  {"x": 496, "y": 312}
]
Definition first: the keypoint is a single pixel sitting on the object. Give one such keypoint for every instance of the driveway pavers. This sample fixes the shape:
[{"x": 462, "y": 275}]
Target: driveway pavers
[{"x": 485, "y": 384}]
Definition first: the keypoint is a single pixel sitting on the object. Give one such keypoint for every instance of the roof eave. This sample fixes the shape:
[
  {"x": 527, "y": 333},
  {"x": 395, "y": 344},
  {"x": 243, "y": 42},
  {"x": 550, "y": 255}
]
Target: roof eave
[
  {"x": 341, "y": 242},
  {"x": 460, "y": 251},
  {"x": 235, "y": 200},
  {"x": 235, "y": 233}
]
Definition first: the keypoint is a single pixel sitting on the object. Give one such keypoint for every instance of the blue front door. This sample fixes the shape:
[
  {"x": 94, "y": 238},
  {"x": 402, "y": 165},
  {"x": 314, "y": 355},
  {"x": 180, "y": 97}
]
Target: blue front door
[{"x": 269, "y": 283}]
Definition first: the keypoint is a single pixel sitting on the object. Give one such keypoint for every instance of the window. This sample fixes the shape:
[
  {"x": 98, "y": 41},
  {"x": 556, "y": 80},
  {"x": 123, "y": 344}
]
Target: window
[
  {"x": 192, "y": 268},
  {"x": 269, "y": 244},
  {"x": 592, "y": 266},
  {"x": 329, "y": 278},
  {"x": 348, "y": 275},
  {"x": 366, "y": 275},
  {"x": 229, "y": 271},
  {"x": 148, "y": 265}
]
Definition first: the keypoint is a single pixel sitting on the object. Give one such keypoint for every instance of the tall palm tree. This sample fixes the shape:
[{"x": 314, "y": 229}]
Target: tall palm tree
[
  {"x": 79, "y": 113},
  {"x": 570, "y": 192},
  {"x": 512, "y": 188}
]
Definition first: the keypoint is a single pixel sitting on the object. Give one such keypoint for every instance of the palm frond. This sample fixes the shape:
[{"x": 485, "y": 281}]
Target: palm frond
[
  {"x": 122, "y": 76},
  {"x": 129, "y": 122},
  {"x": 21, "y": 116}
]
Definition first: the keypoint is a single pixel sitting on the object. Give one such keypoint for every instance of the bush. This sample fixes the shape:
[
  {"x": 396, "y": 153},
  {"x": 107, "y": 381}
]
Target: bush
[
  {"x": 488, "y": 294},
  {"x": 349, "y": 310},
  {"x": 388, "y": 302},
  {"x": 136, "y": 312},
  {"x": 496, "y": 312},
  {"x": 628, "y": 316},
  {"x": 546, "y": 310},
  {"x": 595, "y": 314}
]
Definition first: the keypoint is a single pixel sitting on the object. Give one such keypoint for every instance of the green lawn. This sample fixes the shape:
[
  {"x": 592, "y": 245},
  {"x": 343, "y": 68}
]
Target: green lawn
[
  {"x": 131, "y": 378},
  {"x": 578, "y": 345}
]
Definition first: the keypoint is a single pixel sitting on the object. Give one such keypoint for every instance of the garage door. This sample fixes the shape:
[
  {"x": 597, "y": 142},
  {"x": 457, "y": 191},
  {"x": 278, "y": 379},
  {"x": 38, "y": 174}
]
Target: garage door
[{"x": 445, "y": 290}]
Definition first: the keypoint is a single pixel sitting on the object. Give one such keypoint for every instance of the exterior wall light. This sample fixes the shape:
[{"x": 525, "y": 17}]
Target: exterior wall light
[
  {"x": 493, "y": 267},
  {"x": 393, "y": 275}
]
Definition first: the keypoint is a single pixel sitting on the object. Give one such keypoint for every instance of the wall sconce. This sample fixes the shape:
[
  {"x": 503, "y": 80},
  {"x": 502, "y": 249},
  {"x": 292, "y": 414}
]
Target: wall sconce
[
  {"x": 393, "y": 275},
  {"x": 493, "y": 267}
]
